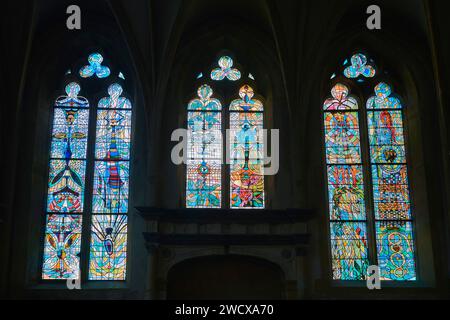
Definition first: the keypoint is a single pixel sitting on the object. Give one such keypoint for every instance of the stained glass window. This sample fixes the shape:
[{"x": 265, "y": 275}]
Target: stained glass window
[
  {"x": 392, "y": 237},
  {"x": 225, "y": 70},
  {"x": 204, "y": 167},
  {"x": 246, "y": 151},
  {"x": 245, "y": 181},
  {"x": 111, "y": 187},
  {"x": 359, "y": 67},
  {"x": 66, "y": 186},
  {"x": 394, "y": 225},
  {"x": 345, "y": 186},
  {"x": 69, "y": 172},
  {"x": 95, "y": 67}
]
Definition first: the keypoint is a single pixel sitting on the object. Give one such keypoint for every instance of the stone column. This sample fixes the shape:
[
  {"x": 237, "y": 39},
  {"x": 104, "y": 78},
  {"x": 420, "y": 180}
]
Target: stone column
[
  {"x": 300, "y": 254},
  {"x": 152, "y": 264}
]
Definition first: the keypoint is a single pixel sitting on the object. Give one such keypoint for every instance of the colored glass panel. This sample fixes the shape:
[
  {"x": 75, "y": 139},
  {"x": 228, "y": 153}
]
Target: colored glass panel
[
  {"x": 342, "y": 138},
  {"x": 203, "y": 184},
  {"x": 111, "y": 187},
  {"x": 246, "y": 184},
  {"x": 108, "y": 249},
  {"x": 392, "y": 206},
  {"x": 113, "y": 135},
  {"x": 225, "y": 70},
  {"x": 108, "y": 255},
  {"x": 247, "y": 151},
  {"x": 346, "y": 192},
  {"x": 349, "y": 250},
  {"x": 70, "y": 133},
  {"x": 386, "y": 136},
  {"x": 340, "y": 101},
  {"x": 359, "y": 67},
  {"x": 349, "y": 245},
  {"x": 383, "y": 98},
  {"x": 66, "y": 185},
  {"x": 204, "y": 135},
  {"x": 391, "y": 192},
  {"x": 204, "y": 143},
  {"x": 395, "y": 247},
  {"x": 95, "y": 67},
  {"x": 62, "y": 247}
]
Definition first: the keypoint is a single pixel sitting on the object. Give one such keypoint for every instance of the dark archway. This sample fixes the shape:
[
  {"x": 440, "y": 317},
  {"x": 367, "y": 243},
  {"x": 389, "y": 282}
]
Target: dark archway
[{"x": 225, "y": 277}]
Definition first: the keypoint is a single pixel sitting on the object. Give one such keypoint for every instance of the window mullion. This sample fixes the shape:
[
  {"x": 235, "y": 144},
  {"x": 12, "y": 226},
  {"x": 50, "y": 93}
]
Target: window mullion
[
  {"x": 368, "y": 186},
  {"x": 87, "y": 214}
]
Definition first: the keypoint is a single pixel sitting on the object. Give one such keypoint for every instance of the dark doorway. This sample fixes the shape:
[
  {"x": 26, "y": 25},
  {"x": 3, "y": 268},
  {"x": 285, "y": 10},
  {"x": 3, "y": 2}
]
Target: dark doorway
[{"x": 225, "y": 277}]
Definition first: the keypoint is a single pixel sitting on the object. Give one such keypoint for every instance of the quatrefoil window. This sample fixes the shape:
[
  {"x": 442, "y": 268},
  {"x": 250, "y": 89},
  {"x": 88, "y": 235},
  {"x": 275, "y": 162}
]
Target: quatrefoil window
[
  {"x": 95, "y": 67},
  {"x": 205, "y": 102},
  {"x": 341, "y": 99},
  {"x": 72, "y": 99},
  {"x": 225, "y": 70},
  {"x": 114, "y": 101},
  {"x": 383, "y": 99},
  {"x": 359, "y": 67}
]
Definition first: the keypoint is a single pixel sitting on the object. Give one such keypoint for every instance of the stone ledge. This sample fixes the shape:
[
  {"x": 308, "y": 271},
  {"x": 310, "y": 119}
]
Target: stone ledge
[
  {"x": 225, "y": 239},
  {"x": 225, "y": 216}
]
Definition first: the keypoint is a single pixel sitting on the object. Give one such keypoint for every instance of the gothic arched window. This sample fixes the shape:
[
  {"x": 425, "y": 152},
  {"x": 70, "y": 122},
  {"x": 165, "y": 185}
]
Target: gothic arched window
[
  {"x": 371, "y": 222},
  {"x": 245, "y": 150},
  {"x": 88, "y": 179}
]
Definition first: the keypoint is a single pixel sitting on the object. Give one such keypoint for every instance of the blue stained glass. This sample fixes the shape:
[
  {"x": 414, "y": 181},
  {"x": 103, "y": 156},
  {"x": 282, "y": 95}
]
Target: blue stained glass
[
  {"x": 108, "y": 250},
  {"x": 342, "y": 138},
  {"x": 225, "y": 70},
  {"x": 95, "y": 67},
  {"x": 205, "y": 101},
  {"x": 62, "y": 247},
  {"x": 341, "y": 100},
  {"x": 246, "y": 101},
  {"x": 246, "y": 135},
  {"x": 359, "y": 67},
  {"x": 391, "y": 192},
  {"x": 70, "y": 133},
  {"x": 349, "y": 245},
  {"x": 114, "y": 101},
  {"x": 247, "y": 151},
  {"x": 395, "y": 247},
  {"x": 108, "y": 254},
  {"x": 204, "y": 135},
  {"x": 66, "y": 186},
  {"x": 72, "y": 99},
  {"x": 383, "y": 98},
  {"x": 386, "y": 136},
  {"x": 349, "y": 250},
  {"x": 113, "y": 134},
  {"x": 346, "y": 192},
  {"x": 203, "y": 184},
  {"x": 111, "y": 187},
  {"x": 204, "y": 172},
  {"x": 246, "y": 184}
]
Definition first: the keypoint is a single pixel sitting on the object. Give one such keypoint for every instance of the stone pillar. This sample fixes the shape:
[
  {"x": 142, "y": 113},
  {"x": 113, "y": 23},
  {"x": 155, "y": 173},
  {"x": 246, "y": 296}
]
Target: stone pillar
[
  {"x": 151, "y": 292},
  {"x": 300, "y": 254}
]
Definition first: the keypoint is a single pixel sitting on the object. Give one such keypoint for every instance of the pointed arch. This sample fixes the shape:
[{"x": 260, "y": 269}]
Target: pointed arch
[
  {"x": 89, "y": 178},
  {"x": 204, "y": 179},
  {"x": 371, "y": 222}
]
